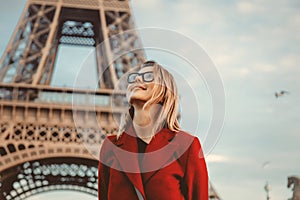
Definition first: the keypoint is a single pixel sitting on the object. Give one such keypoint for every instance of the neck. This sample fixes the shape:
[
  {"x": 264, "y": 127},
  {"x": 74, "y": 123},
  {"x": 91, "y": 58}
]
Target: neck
[
  {"x": 142, "y": 117},
  {"x": 143, "y": 121}
]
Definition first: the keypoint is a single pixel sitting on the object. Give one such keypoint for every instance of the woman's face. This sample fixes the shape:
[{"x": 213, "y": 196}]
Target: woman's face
[{"x": 141, "y": 88}]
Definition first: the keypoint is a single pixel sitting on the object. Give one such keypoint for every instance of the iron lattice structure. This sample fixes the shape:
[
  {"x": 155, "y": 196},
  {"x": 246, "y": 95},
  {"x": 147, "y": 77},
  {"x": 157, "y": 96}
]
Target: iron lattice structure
[{"x": 42, "y": 148}]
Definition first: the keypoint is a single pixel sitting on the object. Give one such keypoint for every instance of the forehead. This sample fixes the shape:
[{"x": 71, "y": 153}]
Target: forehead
[{"x": 146, "y": 69}]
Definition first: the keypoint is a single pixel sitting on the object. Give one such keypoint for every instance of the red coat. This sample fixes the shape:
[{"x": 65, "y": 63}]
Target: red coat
[{"x": 173, "y": 167}]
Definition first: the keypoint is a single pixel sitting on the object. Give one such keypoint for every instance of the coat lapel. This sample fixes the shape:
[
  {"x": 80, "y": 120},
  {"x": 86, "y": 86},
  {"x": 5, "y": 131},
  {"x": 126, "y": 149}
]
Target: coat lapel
[
  {"x": 159, "y": 153},
  {"x": 128, "y": 160}
]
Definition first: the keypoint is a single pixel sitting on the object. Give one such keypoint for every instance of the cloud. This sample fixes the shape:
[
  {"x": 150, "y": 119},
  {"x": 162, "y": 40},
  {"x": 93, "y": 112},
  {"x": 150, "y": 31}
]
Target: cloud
[
  {"x": 216, "y": 158},
  {"x": 263, "y": 67},
  {"x": 153, "y": 4},
  {"x": 294, "y": 22},
  {"x": 246, "y": 7},
  {"x": 289, "y": 61}
]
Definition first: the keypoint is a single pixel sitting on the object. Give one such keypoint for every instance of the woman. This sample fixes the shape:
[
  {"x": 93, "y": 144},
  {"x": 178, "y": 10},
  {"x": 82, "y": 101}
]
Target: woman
[{"x": 152, "y": 158}]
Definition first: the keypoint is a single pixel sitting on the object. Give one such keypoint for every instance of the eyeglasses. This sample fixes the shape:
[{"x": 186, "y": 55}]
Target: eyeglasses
[{"x": 147, "y": 77}]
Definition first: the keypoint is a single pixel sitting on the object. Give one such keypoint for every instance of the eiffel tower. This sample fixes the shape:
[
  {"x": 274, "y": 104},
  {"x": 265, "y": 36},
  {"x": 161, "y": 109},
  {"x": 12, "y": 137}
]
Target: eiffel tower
[
  {"x": 41, "y": 147},
  {"x": 43, "y": 138}
]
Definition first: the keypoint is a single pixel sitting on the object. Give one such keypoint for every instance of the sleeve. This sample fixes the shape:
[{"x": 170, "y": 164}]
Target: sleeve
[
  {"x": 102, "y": 181},
  {"x": 103, "y": 174},
  {"x": 196, "y": 176}
]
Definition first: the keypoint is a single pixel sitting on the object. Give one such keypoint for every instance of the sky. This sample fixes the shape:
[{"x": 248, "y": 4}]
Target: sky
[{"x": 255, "y": 48}]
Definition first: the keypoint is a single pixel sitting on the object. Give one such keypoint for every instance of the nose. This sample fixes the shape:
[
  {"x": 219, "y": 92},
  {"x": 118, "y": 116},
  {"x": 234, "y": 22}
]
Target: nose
[{"x": 139, "y": 79}]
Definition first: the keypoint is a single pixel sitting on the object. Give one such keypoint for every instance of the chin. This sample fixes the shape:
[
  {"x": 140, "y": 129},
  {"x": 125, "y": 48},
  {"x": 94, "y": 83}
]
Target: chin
[{"x": 138, "y": 98}]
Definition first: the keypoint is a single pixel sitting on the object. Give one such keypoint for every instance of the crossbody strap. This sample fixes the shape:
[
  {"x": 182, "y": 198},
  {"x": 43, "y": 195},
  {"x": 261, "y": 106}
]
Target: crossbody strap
[{"x": 140, "y": 196}]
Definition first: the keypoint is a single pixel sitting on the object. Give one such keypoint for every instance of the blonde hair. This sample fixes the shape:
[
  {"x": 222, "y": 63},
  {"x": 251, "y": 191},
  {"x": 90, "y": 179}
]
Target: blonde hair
[{"x": 165, "y": 93}]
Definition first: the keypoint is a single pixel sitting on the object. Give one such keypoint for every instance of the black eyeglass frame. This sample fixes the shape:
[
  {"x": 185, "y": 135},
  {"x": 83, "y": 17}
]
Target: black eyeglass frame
[{"x": 140, "y": 74}]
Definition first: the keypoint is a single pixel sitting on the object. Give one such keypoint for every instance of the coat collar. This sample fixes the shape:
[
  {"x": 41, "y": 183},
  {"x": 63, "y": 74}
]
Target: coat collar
[
  {"x": 162, "y": 137},
  {"x": 158, "y": 154}
]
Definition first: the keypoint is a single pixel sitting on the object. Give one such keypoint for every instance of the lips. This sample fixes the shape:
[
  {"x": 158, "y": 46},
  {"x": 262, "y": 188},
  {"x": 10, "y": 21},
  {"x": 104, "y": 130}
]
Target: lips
[{"x": 138, "y": 87}]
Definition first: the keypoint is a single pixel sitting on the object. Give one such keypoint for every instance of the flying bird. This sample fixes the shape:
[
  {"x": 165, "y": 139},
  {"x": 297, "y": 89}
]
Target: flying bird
[
  {"x": 281, "y": 93},
  {"x": 265, "y": 164}
]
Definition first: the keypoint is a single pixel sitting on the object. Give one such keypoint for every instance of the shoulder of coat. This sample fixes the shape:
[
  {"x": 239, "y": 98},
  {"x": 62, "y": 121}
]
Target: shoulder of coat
[
  {"x": 112, "y": 138},
  {"x": 184, "y": 134}
]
